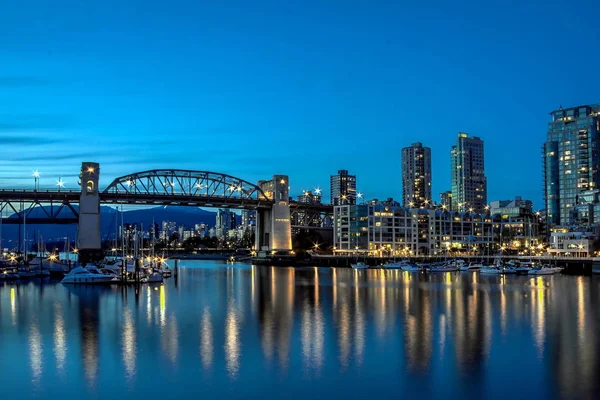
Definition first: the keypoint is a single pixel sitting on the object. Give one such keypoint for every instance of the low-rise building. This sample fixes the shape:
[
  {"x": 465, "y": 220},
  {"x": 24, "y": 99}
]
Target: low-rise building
[
  {"x": 384, "y": 229},
  {"x": 578, "y": 244}
]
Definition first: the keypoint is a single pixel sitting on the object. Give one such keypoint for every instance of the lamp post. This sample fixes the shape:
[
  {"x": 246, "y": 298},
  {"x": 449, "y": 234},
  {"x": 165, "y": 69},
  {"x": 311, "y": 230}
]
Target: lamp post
[
  {"x": 36, "y": 180},
  {"x": 60, "y": 184}
]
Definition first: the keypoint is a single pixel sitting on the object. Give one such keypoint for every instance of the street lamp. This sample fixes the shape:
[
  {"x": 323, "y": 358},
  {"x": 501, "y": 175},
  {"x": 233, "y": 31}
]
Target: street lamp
[
  {"x": 36, "y": 179},
  {"x": 60, "y": 183}
]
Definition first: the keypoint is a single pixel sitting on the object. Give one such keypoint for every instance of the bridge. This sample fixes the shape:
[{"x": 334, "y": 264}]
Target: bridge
[{"x": 276, "y": 215}]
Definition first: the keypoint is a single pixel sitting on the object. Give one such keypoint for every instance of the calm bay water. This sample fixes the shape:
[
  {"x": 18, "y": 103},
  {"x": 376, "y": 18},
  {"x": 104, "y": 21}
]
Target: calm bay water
[{"x": 248, "y": 332}]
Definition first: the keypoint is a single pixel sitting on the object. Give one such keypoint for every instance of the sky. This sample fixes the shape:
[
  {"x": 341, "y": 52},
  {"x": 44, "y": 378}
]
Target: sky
[{"x": 257, "y": 88}]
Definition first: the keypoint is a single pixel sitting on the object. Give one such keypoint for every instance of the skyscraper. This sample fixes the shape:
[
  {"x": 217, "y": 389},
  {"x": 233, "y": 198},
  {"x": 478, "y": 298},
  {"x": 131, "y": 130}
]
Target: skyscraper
[
  {"x": 571, "y": 158},
  {"x": 225, "y": 221},
  {"x": 416, "y": 175},
  {"x": 469, "y": 184},
  {"x": 343, "y": 188}
]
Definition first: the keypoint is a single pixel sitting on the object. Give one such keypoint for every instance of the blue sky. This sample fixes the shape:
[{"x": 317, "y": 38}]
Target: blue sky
[{"x": 300, "y": 88}]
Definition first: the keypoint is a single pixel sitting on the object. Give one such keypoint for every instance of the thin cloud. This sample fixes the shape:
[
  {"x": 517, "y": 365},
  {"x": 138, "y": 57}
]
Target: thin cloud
[
  {"x": 21, "y": 81},
  {"x": 34, "y": 122}
]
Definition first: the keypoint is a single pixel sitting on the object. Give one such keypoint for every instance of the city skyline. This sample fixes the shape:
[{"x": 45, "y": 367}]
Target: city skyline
[{"x": 196, "y": 94}]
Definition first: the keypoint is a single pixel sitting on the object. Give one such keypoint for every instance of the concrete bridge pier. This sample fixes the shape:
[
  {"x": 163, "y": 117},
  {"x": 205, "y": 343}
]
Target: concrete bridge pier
[
  {"x": 273, "y": 227},
  {"x": 88, "y": 233}
]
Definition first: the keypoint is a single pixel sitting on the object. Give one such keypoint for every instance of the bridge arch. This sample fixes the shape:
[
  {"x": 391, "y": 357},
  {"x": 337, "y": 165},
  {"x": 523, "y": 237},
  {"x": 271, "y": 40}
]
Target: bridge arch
[{"x": 187, "y": 183}]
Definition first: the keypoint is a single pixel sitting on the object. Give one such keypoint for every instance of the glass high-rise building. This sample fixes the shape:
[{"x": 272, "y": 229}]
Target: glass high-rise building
[
  {"x": 416, "y": 175},
  {"x": 343, "y": 188},
  {"x": 571, "y": 158},
  {"x": 469, "y": 184}
]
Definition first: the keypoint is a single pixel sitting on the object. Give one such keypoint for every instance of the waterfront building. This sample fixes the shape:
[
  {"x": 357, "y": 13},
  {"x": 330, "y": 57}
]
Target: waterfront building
[
  {"x": 416, "y": 176},
  {"x": 469, "y": 184},
  {"x": 517, "y": 231},
  {"x": 446, "y": 200},
  {"x": 571, "y": 160},
  {"x": 572, "y": 243},
  {"x": 343, "y": 188},
  {"x": 394, "y": 230}
]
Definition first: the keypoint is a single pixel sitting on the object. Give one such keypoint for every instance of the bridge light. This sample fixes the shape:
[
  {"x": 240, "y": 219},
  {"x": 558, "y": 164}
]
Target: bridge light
[
  {"x": 36, "y": 174},
  {"x": 60, "y": 183}
]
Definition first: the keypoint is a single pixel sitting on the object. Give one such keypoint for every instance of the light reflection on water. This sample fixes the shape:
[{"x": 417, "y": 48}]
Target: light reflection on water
[{"x": 241, "y": 331}]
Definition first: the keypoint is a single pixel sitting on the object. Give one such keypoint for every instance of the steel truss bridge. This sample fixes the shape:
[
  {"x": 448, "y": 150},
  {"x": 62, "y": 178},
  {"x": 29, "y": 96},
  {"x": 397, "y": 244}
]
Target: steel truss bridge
[{"x": 154, "y": 188}]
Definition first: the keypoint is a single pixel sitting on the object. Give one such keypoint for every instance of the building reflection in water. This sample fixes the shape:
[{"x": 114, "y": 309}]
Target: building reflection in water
[
  {"x": 60, "y": 338},
  {"x": 129, "y": 343},
  {"x": 206, "y": 340},
  {"x": 311, "y": 321},
  {"x": 13, "y": 306},
  {"x": 36, "y": 354},
  {"x": 418, "y": 333},
  {"x": 232, "y": 340},
  {"x": 406, "y": 327},
  {"x": 169, "y": 331}
]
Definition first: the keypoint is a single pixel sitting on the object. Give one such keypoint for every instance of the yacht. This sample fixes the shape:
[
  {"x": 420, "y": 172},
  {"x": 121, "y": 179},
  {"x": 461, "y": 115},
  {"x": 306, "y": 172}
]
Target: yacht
[
  {"x": 410, "y": 267},
  {"x": 90, "y": 274},
  {"x": 359, "y": 265},
  {"x": 471, "y": 267},
  {"x": 509, "y": 268},
  {"x": 449, "y": 267},
  {"x": 525, "y": 267},
  {"x": 543, "y": 270},
  {"x": 392, "y": 265},
  {"x": 9, "y": 274},
  {"x": 152, "y": 276},
  {"x": 491, "y": 269}
]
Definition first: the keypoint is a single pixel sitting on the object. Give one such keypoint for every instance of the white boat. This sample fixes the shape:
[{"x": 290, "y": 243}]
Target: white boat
[
  {"x": 471, "y": 267},
  {"x": 9, "y": 275},
  {"x": 26, "y": 273},
  {"x": 410, "y": 267},
  {"x": 359, "y": 265},
  {"x": 392, "y": 265},
  {"x": 443, "y": 268},
  {"x": 152, "y": 277},
  {"x": 166, "y": 272},
  {"x": 509, "y": 268},
  {"x": 90, "y": 274},
  {"x": 491, "y": 269},
  {"x": 543, "y": 270}
]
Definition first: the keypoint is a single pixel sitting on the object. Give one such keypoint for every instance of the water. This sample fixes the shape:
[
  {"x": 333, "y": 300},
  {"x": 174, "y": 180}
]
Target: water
[{"x": 250, "y": 332}]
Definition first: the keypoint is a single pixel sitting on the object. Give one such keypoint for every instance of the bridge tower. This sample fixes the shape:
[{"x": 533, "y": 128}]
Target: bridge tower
[
  {"x": 88, "y": 234},
  {"x": 273, "y": 227}
]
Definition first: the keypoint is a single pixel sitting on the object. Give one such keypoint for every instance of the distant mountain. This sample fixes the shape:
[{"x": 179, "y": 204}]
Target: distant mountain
[{"x": 110, "y": 222}]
